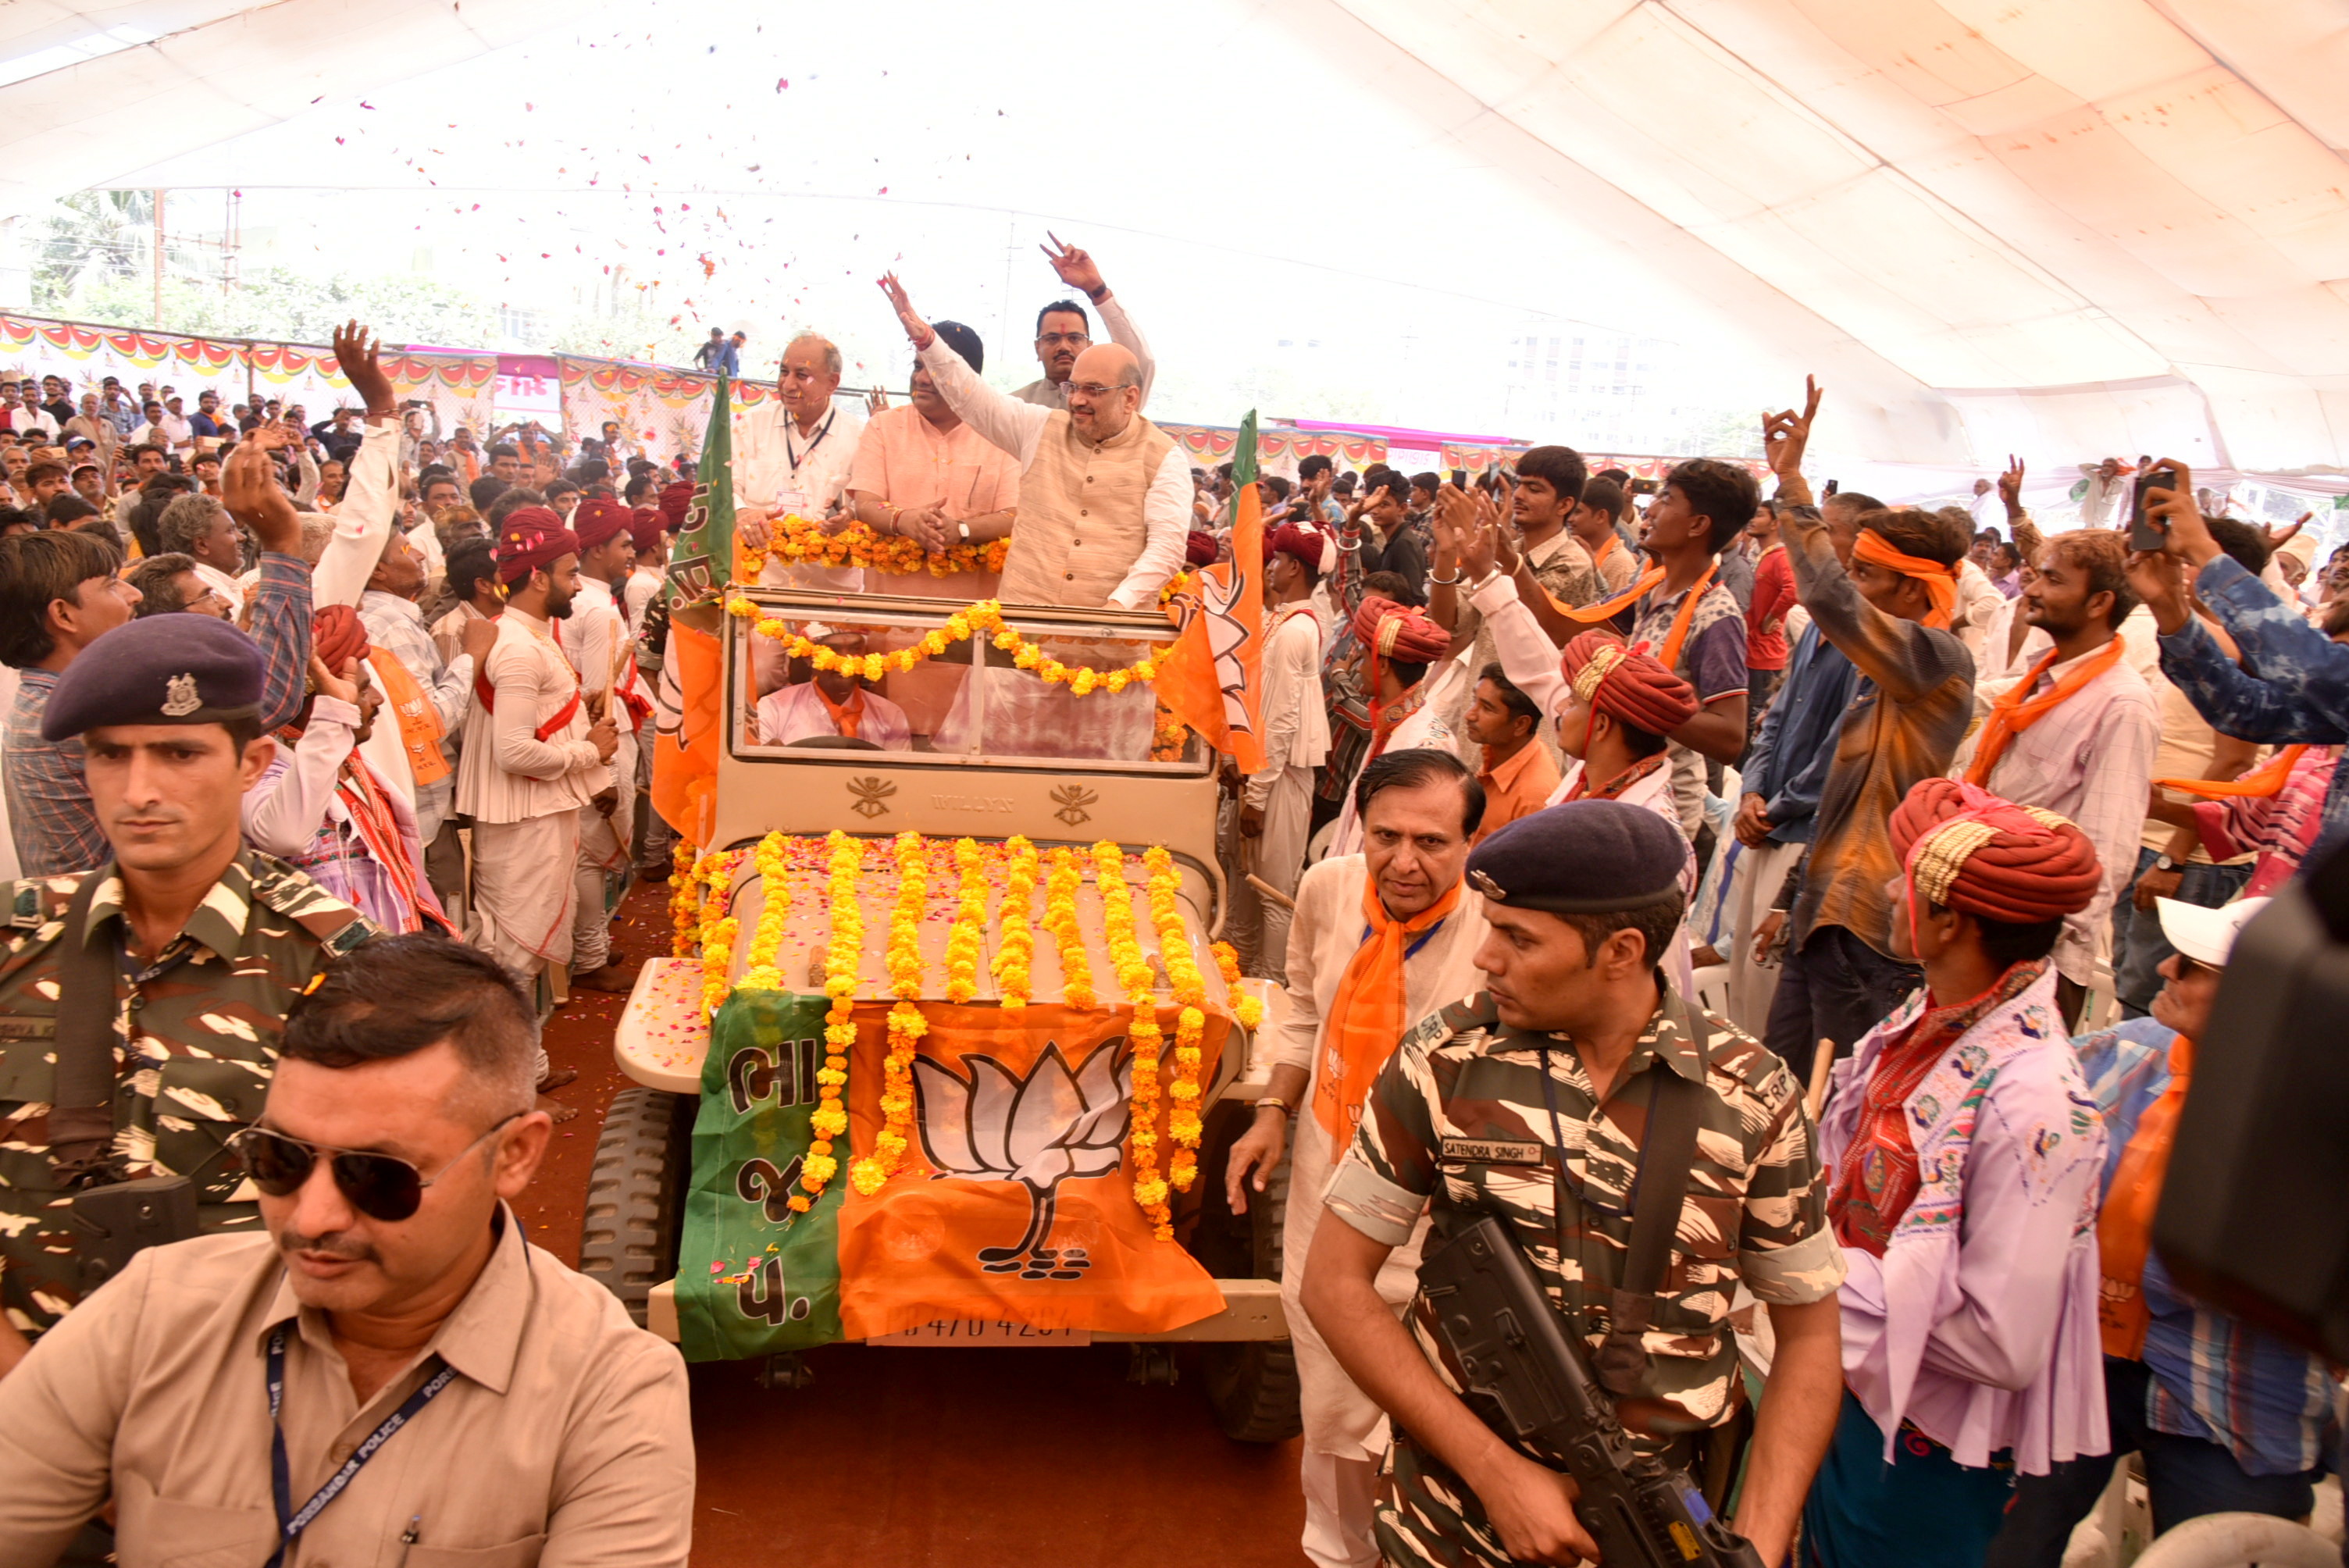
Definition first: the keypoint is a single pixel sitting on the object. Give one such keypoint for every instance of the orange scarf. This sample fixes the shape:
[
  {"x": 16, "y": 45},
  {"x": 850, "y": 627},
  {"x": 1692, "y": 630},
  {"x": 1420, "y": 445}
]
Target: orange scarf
[
  {"x": 1941, "y": 581},
  {"x": 2124, "y": 1228},
  {"x": 1366, "y": 1017},
  {"x": 2010, "y": 715},
  {"x": 1606, "y": 609},
  {"x": 845, "y": 715},
  {"x": 2266, "y": 780},
  {"x": 420, "y": 722}
]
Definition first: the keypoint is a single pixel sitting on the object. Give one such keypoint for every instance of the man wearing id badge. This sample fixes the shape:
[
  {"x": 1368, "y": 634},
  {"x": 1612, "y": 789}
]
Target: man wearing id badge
[
  {"x": 793, "y": 459},
  {"x": 247, "y": 1398}
]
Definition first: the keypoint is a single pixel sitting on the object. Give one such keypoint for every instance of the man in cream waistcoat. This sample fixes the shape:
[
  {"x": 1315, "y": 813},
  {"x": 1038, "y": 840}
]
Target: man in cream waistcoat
[{"x": 1104, "y": 499}]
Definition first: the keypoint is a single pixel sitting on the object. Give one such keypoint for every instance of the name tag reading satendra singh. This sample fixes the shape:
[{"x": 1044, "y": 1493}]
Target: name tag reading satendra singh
[
  {"x": 1492, "y": 1152},
  {"x": 982, "y": 1331}
]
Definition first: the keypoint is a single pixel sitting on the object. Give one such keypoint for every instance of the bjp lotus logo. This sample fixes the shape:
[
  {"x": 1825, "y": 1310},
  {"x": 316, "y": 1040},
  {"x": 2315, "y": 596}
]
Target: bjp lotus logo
[{"x": 1039, "y": 1131}]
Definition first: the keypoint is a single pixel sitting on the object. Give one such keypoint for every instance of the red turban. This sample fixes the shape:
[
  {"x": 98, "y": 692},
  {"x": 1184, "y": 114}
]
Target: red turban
[
  {"x": 1200, "y": 548},
  {"x": 337, "y": 637},
  {"x": 1965, "y": 847},
  {"x": 1394, "y": 632},
  {"x": 532, "y": 537},
  {"x": 599, "y": 522},
  {"x": 674, "y": 501},
  {"x": 645, "y": 526},
  {"x": 1302, "y": 545},
  {"x": 1634, "y": 689}
]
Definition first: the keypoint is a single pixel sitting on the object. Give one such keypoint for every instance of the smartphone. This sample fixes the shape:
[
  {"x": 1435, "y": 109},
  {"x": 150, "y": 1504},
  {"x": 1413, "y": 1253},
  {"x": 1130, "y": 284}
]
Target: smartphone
[
  {"x": 2144, "y": 533},
  {"x": 1460, "y": 479},
  {"x": 1833, "y": 485}
]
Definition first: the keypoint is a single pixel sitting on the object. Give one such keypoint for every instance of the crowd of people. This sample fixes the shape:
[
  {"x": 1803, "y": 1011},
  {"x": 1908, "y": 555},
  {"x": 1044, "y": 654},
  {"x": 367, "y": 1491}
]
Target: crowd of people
[{"x": 1870, "y": 867}]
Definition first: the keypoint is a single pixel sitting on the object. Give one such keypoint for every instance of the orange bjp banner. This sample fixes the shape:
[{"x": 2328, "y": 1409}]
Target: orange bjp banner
[
  {"x": 1015, "y": 1199},
  {"x": 1211, "y": 679},
  {"x": 686, "y": 742}
]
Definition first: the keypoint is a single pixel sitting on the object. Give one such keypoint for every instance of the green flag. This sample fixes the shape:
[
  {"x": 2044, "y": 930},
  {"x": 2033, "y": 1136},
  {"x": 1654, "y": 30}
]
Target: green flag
[{"x": 702, "y": 560}]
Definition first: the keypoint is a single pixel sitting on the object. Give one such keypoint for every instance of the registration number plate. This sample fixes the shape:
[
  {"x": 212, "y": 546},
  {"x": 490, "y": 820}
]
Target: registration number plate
[{"x": 983, "y": 1331}]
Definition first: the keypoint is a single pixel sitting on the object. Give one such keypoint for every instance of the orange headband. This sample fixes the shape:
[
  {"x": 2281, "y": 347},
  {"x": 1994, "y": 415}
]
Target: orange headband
[{"x": 1941, "y": 581}]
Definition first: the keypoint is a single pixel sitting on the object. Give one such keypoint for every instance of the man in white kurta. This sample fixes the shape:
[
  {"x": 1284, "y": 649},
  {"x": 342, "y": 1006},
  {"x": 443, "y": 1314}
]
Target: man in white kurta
[
  {"x": 793, "y": 457},
  {"x": 1345, "y": 1433},
  {"x": 1293, "y": 716},
  {"x": 531, "y": 757},
  {"x": 595, "y": 637}
]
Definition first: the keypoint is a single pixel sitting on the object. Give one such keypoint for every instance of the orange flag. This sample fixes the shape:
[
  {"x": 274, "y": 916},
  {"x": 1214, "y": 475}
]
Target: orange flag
[
  {"x": 684, "y": 752},
  {"x": 1016, "y": 1196},
  {"x": 1211, "y": 678}
]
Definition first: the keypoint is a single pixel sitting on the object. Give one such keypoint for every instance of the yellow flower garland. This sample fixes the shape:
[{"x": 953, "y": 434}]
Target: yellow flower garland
[
  {"x": 759, "y": 971},
  {"x": 985, "y": 615},
  {"x": 1060, "y": 922},
  {"x": 1015, "y": 957},
  {"x": 907, "y": 1024},
  {"x": 797, "y": 541},
  {"x": 719, "y": 930},
  {"x": 841, "y": 955},
  {"x": 684, "y": 901},
  {"x": 1250, "y": 1010},
  {"x": 1133, "y": 973},
  {"x": 967, "y": 939},
  {"x": 1191, "y": 1025}
]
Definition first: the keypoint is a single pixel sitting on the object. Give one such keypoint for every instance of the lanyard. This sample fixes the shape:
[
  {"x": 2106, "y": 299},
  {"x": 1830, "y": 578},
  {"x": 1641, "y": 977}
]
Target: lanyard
[
  {"x": 1425, "y": 938},
  {"x": 281, "y": 1486},
  {"x": 799, "y": 457}
]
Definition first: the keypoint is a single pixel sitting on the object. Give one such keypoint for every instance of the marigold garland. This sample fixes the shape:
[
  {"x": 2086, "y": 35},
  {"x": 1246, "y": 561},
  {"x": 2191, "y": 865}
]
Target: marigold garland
[
  {"x": 796, "y": 541},
  {"x": 718, "y": 928},
  {"x": 684, "y": 901},
  {"x": 759, "y": 971},
  {"x": 1133, "y": 973},
  {"x": 841, "y": 955},
  {"x": 966, "y": 938},
  {"x": 1060, "y": 922},
  {"x": 985, "y": 615},
  {"x": 1247, "y": 1008},
  {"x": 907, "y": 1024},
  {"x": 1190, "y": 990},
  {"x": 1015, "y": 958}
]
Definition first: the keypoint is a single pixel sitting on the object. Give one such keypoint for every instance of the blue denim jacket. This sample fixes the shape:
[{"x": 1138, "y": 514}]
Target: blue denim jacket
[
  {"x": 1788, "y": 766},
  {"x": 2293, "y": 687}
]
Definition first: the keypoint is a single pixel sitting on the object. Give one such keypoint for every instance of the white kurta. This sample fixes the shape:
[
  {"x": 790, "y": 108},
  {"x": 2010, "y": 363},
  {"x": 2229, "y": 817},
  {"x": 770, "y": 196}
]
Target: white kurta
[
  {"x": 786, "y": 470},
  {"x": 1340, "y": 1419}
]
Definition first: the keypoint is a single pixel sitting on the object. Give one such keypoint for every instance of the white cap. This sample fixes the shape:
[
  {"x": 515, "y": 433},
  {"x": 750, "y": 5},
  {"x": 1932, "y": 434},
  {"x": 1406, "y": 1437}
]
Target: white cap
[{"x": 2205, "y": 935}]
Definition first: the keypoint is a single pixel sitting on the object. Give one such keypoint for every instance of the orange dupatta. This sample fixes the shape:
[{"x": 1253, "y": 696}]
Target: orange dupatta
[
  {"x": 2124, "y": 1228},
  {"x": 420, "y": 723},
  {"x": 1366, "y": 1016},
  {"x": 2265, "y": 780},
  {"x": 845, "y": 715},
  {"x": 2010, "y": 715}
]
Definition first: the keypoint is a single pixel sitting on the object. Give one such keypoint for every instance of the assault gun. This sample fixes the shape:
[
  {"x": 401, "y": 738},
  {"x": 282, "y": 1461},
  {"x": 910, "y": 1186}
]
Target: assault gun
[{"x": 1529, "y": 1380}]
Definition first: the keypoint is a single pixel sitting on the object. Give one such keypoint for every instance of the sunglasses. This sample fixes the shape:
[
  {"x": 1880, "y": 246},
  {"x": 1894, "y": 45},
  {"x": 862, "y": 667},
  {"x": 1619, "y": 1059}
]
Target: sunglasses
[{"x": 380, "y": 1186}]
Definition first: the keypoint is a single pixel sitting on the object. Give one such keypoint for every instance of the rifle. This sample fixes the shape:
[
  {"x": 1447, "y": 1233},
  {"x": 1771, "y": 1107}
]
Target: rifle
[{"x": 1528, "y": 1379}]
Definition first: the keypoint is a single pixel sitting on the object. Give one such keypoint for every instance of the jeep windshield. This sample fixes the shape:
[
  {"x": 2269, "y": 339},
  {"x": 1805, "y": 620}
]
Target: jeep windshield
[{"x": 816, "y": 676}]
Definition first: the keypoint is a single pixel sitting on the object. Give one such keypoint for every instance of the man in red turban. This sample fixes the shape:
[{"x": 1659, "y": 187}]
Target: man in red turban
[
  {"x": 1200, "y": 550},
  {"x": 595, "y": 637},
  {"x": 1963, "y": 1159},
  {"x": 534, "y": 754},
  {"x": 1618, "y": 705},
  {"x": 1410, "y": 708},
  {"x": 321, "y": 809}
]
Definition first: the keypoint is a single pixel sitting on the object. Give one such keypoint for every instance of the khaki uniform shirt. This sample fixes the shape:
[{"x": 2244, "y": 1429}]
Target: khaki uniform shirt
[
  {"x": 1463, "y": 1119},
  {"x": 199, "y": 1031},
  {"x": 563, "y": 1438}
]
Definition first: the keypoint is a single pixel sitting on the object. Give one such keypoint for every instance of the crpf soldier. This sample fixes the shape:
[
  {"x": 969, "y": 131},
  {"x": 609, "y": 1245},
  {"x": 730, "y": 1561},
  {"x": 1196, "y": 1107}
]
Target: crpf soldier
[
  {"x": 140, "y": 1004},
  {"x": 1530, "y": 1102}
]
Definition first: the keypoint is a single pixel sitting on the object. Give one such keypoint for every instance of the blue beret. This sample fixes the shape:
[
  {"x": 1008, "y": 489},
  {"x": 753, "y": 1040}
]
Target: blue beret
[
  {"x": 162, "y": 669},
  {"x": 1585, "y": 857}
]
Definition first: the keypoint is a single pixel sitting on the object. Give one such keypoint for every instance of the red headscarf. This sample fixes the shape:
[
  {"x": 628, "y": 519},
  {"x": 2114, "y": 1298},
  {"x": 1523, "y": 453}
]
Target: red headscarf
[
  {"x": 532, "y": 537},
  {"x": 1965, "y": 847},
  {"x": 337, "y": 637},
  {"x": 1301, "y": 545},
  {"x": 675, "y": 498},
  {"x": 598, "y": 522},
  {"x": 1200, "y": 548},
  {"x": 646, "y": 526},
  {"x": 1626, "y": 685},
  {"x": 1393, "y": 631}
]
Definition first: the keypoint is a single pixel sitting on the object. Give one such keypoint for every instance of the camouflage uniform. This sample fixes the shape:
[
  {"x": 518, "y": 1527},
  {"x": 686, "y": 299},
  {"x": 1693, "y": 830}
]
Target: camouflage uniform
[
  {"x": 1461, "y": 1116},
  {"x": 201, "y": 1023}
]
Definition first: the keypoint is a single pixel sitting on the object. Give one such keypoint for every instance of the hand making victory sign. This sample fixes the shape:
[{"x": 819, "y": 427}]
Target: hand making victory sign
[
  {"x": 1075, "y": 267},
  {"x": 917, "y": 329}
]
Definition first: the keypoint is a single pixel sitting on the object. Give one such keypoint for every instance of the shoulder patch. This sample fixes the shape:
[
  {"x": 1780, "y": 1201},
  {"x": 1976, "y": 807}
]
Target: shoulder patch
[
  {"x": 336, "y": 926},
  {"x": 36, "y": 900}
]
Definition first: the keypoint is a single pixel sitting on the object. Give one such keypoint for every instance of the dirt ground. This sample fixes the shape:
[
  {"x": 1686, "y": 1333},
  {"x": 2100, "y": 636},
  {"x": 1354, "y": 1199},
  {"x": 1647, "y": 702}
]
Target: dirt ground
[{"x": 915, "y": 1458}]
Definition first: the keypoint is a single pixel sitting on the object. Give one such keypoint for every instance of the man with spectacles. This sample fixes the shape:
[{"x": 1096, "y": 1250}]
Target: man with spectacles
[
  {"x": 1063, "y": 332},
  {"x": 793, "y": 459},
  {"x": 165, "y": 974},
  {"x": 1104, "y": 501},
  {"x": 248, "y": 1398}
]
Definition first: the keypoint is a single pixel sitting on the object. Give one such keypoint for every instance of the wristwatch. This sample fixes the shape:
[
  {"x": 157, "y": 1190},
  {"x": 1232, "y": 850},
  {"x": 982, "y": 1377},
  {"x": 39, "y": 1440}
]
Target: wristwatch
[
  {"x": 2163, "y": 863},
  {"x": 1273, "y": 1099},
  {"x": 963, "y": 529}
]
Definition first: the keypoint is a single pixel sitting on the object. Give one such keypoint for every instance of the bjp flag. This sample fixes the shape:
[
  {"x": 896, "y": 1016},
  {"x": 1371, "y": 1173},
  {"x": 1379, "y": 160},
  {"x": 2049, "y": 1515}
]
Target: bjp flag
[
  {"x": 1210, "y": 681},
  {"x": 1014, "y": 1201},
  {"x": 686, "y": 707}
]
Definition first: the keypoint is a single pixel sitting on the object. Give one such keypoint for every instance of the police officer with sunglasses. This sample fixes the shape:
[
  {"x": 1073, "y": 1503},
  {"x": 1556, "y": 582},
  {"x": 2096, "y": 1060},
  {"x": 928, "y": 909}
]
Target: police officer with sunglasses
[{"x": 248, "y": 1398}]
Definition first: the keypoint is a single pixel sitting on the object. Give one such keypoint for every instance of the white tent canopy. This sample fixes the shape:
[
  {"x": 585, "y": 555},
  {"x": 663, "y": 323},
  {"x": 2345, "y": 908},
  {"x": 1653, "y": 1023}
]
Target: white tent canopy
[{"x": 2062, "y": 228}]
